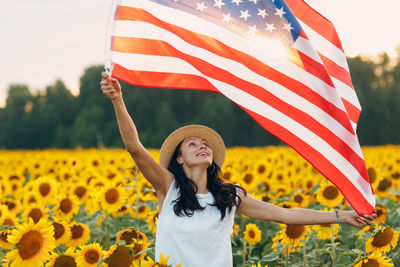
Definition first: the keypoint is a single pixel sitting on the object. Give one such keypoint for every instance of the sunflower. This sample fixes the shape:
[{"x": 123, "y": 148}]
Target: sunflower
[
  {"x": 301, "y": 199},
  {"x": 80, "y": 234},
  {"x": 152, "y": 220},
  {"x": 81, "y": 191},
  {"x": 139, "y": 211},
  {"x": 9, "y": 218},
  {"x": 46, "y": 189},
  {"x": 33, "y": 242},
  {"x": 67, "y": 207},
  {"x": 129, "y": 235},
  {"x": 382, "y": 189},
  {"x": 122, "y": 211},
  {"x": 382, "y": 241},
  {"x": 62, "y": 232},
  {"x": 119, "y": 256},
  {"x": 324, "y": 231},
  {"x": 329, "y": 196},
  {"x": 112, "y": 197},
  {"x": 89, "y": 255},
  {"x": 4, "y": 244},
  {"x": 36, "y": 212},
  {"x": 258, "y": 265},
  {"x": 291, "y": 236},
  {"x": 252, "y": 234},
  {"x": 12, "y": 204},
  {"x": 68, "y": 258},
  {"x": 375, "y": 260},
  {"x": 366, "y": 229},
  {"x": 235, "y": 230},
  {"x": 381, "y": 213},
  {"x": 163, "y": 262}
]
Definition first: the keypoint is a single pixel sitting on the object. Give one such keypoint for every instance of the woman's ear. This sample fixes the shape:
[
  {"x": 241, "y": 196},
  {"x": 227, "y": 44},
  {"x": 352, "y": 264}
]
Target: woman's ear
[{"x": 179, "y": 160}]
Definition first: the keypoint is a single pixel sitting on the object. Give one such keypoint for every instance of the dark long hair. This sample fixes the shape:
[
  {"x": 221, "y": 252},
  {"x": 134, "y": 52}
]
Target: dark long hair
[{"x": 225, "y": 194}]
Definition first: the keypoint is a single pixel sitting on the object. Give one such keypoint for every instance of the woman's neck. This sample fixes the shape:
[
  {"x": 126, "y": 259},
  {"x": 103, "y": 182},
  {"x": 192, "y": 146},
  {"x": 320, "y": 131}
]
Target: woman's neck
[{"x": 199, "y": 176}]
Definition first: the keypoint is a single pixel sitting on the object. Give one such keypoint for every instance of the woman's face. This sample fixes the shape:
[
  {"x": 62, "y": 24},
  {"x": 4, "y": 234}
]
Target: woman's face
[{"x": 194, "y": 152}]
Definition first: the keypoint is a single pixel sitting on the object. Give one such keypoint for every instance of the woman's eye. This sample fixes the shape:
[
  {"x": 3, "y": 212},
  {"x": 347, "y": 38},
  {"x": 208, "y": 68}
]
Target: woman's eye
[{"x": 191, "y": 144}]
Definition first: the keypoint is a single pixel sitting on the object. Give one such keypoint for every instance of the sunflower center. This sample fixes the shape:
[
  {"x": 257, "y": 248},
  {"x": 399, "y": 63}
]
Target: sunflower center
[
  {"x": 371, "y": 174},
  {"x": 10, "y": 205},
  {"x": 32, "y": 199},
  {"x": 396, "y": 175},
  {"x": 382, "y": 238},
  {"x": 58, "y": 230},
  {"x": 266, "y": 186},
  {"x": 384, "y": 184},
  {"x": 4, "y": 235},
  {"x": 295, "y": 231},
  {"x": 112, "y": 195},
  {"x": 309, "y": 184},
  {"x": 36, "y": 214},
  {"x": 128, "y": 236},
  {"x": 261, "y": 169},
  {"x": 248, "y": 178},
  {"x": 30, "y": 244},
  {"x": 298, "y": 199},
  {"x": 44, "y": 189},
  {"x": 8, "y": 221},
  {"x": 80, "y": 191},
  {"x": 370, "y": 263},
  {"x": 330, "y": 192},
  {"x": 122, "y": 257},
  {"x": 142, "y": 209},
  {"x": 77, "y": 231},
  {"x": 92, "y": 256},
  {"x": 227, "y": 175},
  {"x": 66, "y": 205},
  {"x": 325, "y": 225},
  {"x": 65, "y": 261},
  {"x": 252, "y": 234}
]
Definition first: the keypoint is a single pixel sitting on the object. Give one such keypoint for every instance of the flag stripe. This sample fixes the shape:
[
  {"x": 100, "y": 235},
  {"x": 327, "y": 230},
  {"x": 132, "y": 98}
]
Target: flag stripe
[
  {"x": 209, "y": 69},
  {"x": 311, "y": 17},
  {"x": 222, "y": 50}
]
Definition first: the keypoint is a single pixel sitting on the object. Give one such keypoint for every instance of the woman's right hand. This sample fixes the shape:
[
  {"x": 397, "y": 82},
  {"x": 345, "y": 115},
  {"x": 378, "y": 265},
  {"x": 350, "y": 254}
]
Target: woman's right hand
[{"x": 110, "y": 86}]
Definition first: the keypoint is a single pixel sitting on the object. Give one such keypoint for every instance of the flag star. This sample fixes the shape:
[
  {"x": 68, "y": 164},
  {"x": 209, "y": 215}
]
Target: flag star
[
  {"x": 201, "y": 7},
  {"x": 254, "y": 1},
  {"x": 280, "y": 12},
  {"x": 262, "y": 13},
  {"x": 253, "y": 29},
  {"x": 227, "y": 17},
  {"x": 288, "y": 27},
  {"x": 237, "y": 2},
  {"x": 219, "y": 3},
  {"x": 244, "y": 14},
  {"x": 270, "y": 27}
]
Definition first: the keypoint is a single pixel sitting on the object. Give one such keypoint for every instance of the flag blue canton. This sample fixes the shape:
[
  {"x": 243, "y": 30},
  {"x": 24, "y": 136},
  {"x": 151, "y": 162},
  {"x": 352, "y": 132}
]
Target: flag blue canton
[{"x": 264, "y": 18}]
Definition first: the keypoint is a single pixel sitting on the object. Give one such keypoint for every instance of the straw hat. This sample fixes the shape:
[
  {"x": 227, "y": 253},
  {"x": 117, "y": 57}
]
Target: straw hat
[{"x": 214, "y": 140}]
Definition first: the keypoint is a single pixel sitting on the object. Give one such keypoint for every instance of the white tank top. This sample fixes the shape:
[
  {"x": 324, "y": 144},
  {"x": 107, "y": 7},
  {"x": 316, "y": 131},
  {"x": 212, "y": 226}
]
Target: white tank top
[{"x": 197, "y": 241}]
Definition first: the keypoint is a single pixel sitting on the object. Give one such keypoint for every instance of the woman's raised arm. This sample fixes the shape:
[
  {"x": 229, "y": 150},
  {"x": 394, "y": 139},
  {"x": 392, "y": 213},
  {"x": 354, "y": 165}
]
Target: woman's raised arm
[
  {"x": 158, "y": 176},
  {"x": 257, "y": 209}
]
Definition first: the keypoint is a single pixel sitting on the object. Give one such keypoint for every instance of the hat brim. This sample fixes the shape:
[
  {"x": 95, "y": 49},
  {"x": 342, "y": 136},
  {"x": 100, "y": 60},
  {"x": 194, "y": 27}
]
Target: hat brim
[{"x": 214, "y": 141}]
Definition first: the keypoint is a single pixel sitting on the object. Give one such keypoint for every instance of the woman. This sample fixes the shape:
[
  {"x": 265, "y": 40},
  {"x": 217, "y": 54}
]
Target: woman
[{"x": 196, "y": 207}]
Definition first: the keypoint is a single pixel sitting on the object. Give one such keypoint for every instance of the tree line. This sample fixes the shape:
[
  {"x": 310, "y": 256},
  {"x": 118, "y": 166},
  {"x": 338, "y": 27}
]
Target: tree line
[{"x": 55, "y": 118}]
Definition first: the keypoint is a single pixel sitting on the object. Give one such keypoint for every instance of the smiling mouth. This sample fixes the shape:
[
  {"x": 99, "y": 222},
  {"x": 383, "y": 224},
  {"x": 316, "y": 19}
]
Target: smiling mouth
[{"x": 202, "y": 154}]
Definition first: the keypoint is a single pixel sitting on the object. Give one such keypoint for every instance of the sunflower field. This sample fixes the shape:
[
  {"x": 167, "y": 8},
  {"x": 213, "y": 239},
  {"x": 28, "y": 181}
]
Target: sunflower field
[{"x": 89, "y": 207}]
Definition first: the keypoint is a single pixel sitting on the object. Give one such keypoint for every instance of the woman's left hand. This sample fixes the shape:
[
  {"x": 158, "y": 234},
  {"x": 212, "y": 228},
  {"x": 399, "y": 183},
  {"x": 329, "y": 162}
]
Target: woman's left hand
[{"x": 351, "y": 217}]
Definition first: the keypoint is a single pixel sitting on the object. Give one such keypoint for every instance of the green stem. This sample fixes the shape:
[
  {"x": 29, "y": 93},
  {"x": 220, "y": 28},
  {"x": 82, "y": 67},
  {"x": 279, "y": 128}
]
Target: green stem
[
  {"x": 244, "y": 253},
  {"x": 305, "y": 253},
  {"x": 333, "y": 253},
  {"x": 287, "y": 256}
]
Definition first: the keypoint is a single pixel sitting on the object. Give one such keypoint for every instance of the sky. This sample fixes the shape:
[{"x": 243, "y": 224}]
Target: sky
[{"x": 46, "y": 40}]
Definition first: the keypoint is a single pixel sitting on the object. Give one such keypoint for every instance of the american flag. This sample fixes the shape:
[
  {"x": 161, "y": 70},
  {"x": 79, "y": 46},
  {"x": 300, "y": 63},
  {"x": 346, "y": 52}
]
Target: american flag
[{"x": 256, "y": 53}]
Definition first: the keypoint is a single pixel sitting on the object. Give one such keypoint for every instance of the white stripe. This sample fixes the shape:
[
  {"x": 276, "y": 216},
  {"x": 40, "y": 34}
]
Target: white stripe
[
  {"x": 149, "y": 31},
  {"x": 306, "y": 47},
  {"x": 346, "y": 92},
  {"x": 175, "y": 65},
  {"x": 325, "y": 47},
  {"x": 198, "y": 25}
]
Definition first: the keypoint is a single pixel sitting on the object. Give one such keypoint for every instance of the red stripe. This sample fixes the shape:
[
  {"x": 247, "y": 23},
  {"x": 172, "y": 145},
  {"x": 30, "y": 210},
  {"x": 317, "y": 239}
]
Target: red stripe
[
  {"x": 324, "y": 166},
  {"x": 313, "y": 67},
  {"x": 162, "y": 79},
  {"x": 315, "y": 21},
  {"x": 218, "y": 48},
  {"x": 337, "y": 71},
  {"x": 354, "y": 112},
  {"x": 160, "y": 48}
]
